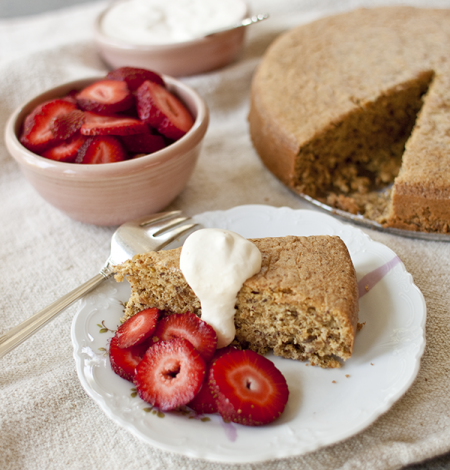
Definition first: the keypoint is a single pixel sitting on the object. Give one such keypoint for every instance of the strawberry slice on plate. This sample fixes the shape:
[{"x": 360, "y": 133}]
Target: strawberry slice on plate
[
  {"x": 106, "y": 97},
  {"x": 170, "y": 374},
  {"x": 187, "y": 325},
  {"x": 143, "y": 143},
  {"x": 162, "y": 110},
  {"x": 67, "y": 150},
  {"x": 137, "y": 328},
  {"x": 134, "y": 77},
  {"x": 101, "y": 149},
  {"x": 249, "y": 389},
  {"x": 97, "y": 124},
  {"x": 37, "y": 134},
  {"x": 125, "y": 360},
  {"x": 204, "y": 402}
]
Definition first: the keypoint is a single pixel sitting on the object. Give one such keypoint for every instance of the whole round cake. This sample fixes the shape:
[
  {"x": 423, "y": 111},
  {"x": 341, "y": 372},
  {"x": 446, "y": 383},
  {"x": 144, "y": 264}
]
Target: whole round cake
[{"x": 345, "y": 106}]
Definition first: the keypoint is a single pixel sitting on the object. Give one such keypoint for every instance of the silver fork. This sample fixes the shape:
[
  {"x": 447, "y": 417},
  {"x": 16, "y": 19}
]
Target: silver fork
[{"x": 151, "y": 233}]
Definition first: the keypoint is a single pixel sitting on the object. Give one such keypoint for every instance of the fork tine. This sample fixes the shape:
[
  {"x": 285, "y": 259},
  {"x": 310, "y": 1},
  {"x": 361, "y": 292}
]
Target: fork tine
[
  {"x": 162, "y": 227},
  {"x": 167, "y": 237},
  {"x": 159, "y": 217}
]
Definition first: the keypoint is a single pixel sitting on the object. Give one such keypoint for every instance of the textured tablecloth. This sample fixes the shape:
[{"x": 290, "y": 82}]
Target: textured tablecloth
[{"x": 46, "y": 418}]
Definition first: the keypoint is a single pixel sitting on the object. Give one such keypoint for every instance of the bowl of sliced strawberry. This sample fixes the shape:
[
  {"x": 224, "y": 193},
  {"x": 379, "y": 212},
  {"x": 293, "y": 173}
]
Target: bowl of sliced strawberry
[{"x": 105, "y": 150}]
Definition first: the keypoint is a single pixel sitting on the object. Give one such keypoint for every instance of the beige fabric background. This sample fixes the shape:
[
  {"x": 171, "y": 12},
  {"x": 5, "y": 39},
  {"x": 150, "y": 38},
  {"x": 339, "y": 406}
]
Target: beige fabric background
[{"x": 46, "y": 418}]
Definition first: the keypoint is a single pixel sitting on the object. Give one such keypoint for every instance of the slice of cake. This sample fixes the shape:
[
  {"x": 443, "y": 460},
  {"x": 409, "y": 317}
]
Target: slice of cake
[{"x": 303, "y": 304}]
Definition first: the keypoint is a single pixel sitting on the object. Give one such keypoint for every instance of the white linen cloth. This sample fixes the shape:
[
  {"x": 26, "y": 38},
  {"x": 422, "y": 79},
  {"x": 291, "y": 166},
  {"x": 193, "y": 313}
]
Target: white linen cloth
[{"x": 46, "y": 418}]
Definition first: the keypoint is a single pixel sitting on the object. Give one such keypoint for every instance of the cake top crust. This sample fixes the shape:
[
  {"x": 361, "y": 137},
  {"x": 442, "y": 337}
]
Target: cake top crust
[
  {"x": 313, "y": 76},
  {"x": 314, "y": 270}
]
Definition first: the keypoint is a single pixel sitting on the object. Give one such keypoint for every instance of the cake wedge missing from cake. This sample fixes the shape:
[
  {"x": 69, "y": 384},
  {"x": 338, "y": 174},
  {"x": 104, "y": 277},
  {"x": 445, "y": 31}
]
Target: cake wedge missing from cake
[{"x": 302, "y": 304}]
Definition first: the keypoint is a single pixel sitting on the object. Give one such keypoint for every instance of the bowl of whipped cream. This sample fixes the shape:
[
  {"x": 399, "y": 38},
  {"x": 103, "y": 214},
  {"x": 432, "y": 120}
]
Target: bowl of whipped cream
[{"x": 174, "y": 37}]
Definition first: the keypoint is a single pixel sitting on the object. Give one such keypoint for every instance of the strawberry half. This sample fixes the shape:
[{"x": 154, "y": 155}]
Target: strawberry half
[
  {"x": 187, "y": 325},
  {"x": 101, "y": 149},
  {"x": 248, "y": 388},
  {"x": 170, "y": 374},
  {"x": 143, "y": 143},
  {"x": 37, "y": 134},
  {"x": 162, "y": 110},
  {"x": 97, "y": 124},
  {"x": 204, "y": 402},
  {"x": 67, "y": 150},
  {"x": 137, "y": 328},
  {"x": 125, "y": 360},
  {"x": 134, "y": 77},
  {"x": 105, "y": 96},
  {"x": 66, "y": 125}
]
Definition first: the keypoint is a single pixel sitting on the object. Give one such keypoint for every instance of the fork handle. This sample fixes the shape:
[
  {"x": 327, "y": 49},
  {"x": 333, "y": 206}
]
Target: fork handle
[{"x": 24, "y": 330}]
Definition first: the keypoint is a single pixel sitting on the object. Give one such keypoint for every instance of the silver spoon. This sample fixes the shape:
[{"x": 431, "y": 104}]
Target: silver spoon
[{"x": 245, "y": 22}]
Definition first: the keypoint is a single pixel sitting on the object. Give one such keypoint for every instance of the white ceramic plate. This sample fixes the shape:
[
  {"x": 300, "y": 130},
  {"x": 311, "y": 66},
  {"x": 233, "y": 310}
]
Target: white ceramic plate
[{"x": 325, "y": 406}]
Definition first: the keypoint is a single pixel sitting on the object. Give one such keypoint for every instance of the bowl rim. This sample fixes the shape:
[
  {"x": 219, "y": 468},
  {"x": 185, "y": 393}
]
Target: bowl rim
[
  {"x": 100, "y": 36},
  {"x": 27, "y": 158}
]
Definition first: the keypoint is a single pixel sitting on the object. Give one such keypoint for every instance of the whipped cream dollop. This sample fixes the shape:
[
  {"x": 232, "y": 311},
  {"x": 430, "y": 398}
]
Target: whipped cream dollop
[
  {"x": 216, "y": 263},
  {"x": 147, "y": 22}
]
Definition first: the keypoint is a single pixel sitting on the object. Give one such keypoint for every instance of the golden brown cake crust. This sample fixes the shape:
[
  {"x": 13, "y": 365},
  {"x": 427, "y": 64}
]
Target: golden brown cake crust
[
  {"x": 333, "y": 103},
  {"x": 303, "y": 304}
]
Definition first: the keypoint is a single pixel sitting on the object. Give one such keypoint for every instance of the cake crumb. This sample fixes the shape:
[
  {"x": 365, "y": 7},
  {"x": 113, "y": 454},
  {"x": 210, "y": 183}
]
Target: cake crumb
[
  {"x": 371, "y": 364},
  {"x": 367, "y": 287},
  {"x": 347, "y": 375},
  {"x": 359, "y": 326},
  {"x": 334, "y": 381}
]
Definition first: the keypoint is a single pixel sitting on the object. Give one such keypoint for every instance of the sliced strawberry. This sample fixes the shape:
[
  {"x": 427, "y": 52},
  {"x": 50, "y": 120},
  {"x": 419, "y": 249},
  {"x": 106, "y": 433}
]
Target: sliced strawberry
[
  {"x": 105, "y": 96},
  {"x": 101, "y": 149},
  {"x": 137, "y": 328},
  {"x": 37, "y": 135},
  {"x": 97, "y": 124},
  {"x": 249, "y": 389},
  {"x": 66, "y": 125},
  {"x": 71, "y": 96},
  {"x": 187, "y": 325},
  {"x": 162, "y": 110},
  {"x": 125, "y": 360},
  {"x": 143, "y": 143},
  {"x": 134, "y": 77},
  {"x": 204, "y": 402},
  {"x": 170, "y": 374},
  {"x": 67, "y": 150}
]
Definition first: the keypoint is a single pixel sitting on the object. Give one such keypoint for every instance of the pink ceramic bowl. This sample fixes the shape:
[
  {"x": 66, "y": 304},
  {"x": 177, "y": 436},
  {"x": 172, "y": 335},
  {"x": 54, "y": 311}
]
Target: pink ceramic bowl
[
  {"x": 177, "y": 59},
  {"x": 112, "y": 193}
]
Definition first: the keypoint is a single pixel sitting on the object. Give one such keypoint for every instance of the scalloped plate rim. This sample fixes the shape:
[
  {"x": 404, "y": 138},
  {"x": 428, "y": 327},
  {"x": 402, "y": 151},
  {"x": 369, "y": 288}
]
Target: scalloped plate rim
[{"x": 268, "y": 454}]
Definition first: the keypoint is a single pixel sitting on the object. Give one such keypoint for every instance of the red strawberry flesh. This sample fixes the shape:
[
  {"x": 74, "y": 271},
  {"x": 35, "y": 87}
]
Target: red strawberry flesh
[
  {"x": 97, "y": 124},
  {"x": 66, "y": 151},
  {"x": 37, "y": 135},
  {"x": 162, "y": 110},
  {"x": 187, "y": 325},
  {"x": 66, "y": 125},
  {"x": 101, "y": 149},
  {"x": 249, "y": 389},
  {"x": 106, "y": 97},
  {"x": 143, "y": 143},
  {"x": 137, "y": 328},
  {"x": 125, "y": 360},
  {"x": 170, "y": 374},
  {"x": 134, "y": 77},
  {"x": 204, "y": 402}
]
